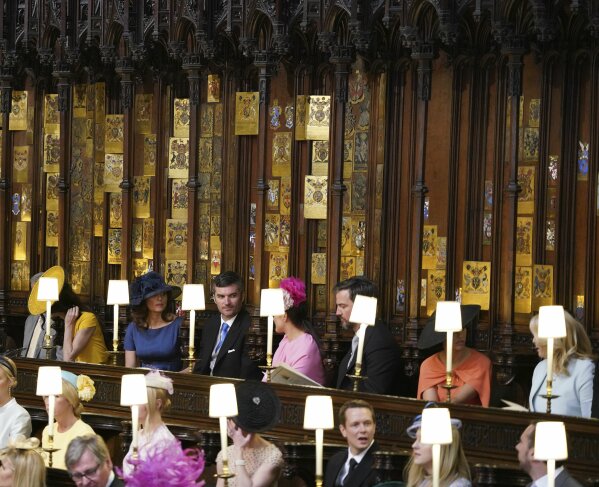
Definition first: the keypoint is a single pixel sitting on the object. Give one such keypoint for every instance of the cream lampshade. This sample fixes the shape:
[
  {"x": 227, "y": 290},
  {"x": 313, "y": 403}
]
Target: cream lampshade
[
  {"x": 550, "y": 445},
  {"x": 193, "y": 299},
  {"x": 118, "y": 293},
  {"x": 49, "y": 381},
  {"x": 318, "y": 416},
  {"x": 363, "y": 310},
  {"x": 47, "y": 289},
  {"x": 552, "y": 322},
  {"x": 223, "y": 405},
  {"x": 448, "y": 316},
  {"x": 271, "y": 304},
  {"x": 436, "y": 431},
  {"x": 134, "y": 393}
]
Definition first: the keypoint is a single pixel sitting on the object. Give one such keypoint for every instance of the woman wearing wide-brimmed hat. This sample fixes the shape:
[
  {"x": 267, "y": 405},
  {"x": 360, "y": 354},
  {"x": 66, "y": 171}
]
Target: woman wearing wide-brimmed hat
[
  {"x": 471, "y": 369},
  {"x": 252, "y": 459},
  {"x": 83, "y": 336},
  {"x": 152, "y": 338}
]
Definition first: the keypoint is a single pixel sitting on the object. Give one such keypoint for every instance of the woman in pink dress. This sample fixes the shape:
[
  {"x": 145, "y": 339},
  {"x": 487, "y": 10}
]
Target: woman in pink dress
[{"x": 299, "y": 347}]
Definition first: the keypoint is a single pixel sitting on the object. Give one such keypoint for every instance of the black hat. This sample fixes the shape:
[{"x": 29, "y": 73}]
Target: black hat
[
  {"x": 148, "y": 285},
  {"x": 429, "y": 337},
  {"x": 259, "y": 407}
]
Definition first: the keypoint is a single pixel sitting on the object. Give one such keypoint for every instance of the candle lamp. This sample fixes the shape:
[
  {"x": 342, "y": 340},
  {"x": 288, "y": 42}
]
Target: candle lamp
[
  {"x": 48, "y": 291},
  {"x": 223, "y": 405},
  {"x": 134, "y": 393},
  {"x": 193, "y": 299},
  {"x": 552, "y": 325},
  {"x": 448, "y": 319},
  {"x": 363, "y": 313},
  {"x": 318, "y": 416},
  {"x": 118, "y": 294},
  {"x": 49, "y": 383},
  {"x": 550, "y": 445},
  {"x": 436, "y": 431},
  {"x": 271, "y": 304}
]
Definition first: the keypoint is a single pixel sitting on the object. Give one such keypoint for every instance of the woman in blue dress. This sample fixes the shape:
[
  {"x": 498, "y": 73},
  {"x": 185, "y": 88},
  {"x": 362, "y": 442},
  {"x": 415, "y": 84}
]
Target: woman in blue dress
[{"x": 152, "y": 338}]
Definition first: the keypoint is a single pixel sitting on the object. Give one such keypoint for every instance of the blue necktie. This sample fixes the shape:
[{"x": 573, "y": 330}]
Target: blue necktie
[{"x": 223, "y": 333}]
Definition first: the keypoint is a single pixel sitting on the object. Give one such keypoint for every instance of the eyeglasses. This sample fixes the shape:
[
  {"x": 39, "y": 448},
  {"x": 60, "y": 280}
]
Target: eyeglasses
[{"x": 78, "y": 476}]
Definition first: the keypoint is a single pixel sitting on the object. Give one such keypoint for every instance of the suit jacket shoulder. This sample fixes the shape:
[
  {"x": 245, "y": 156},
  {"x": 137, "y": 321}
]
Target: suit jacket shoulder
[
  {"x": 564, "y": 479},
  {"x": 334, "y": 465}
]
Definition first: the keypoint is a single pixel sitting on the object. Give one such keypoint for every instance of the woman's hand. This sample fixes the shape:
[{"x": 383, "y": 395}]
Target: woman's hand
[
  {"x": 240, "y": 438},
  {"x": 71, "y": 318}
]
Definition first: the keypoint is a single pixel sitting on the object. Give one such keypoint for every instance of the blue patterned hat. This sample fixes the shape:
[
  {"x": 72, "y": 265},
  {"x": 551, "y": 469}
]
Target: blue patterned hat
[{"x": 148, "y": 285}]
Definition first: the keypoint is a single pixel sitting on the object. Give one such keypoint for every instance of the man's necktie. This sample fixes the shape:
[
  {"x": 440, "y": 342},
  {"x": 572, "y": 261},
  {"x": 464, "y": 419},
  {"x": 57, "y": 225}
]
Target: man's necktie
[
  {"x": 223, "y": 333},
  {"x": 354, "y": 348},
  {"x": 352, "y": 465}
]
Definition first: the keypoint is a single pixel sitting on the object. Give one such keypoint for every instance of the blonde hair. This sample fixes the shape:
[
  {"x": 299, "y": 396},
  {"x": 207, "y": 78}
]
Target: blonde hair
[
  {"x": 453, "y": 464},
  {"x": 155, "y": 393},
  {"x": 576, "y": 344},
  {"x": 28, "y": 465},
  {"x": 70, "y": 394},
  {"x": 6, "y": 368}
]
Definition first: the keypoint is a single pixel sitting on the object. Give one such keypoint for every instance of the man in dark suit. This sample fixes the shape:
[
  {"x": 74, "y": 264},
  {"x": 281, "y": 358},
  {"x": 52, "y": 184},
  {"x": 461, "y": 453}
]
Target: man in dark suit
[
  {"x": 353, "y": 468},
  {"x": 537, "y": 469},
  {"x": 223, "y": 346},
  {"x": 380, "y": 361},
  {"x": 89, "y": 463}
]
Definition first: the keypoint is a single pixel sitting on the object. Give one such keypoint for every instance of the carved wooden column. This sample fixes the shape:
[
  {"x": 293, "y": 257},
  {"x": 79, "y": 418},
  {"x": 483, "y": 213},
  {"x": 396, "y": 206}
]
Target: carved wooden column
[
  {"x": 422, "y": 52},
  {"x": 192, "y": 65},
  {"x": 5, "y": 229},
  {"x": 62, "y": 72},
  {"x": 124, "y": 68},
  {"x": 505, "y": 264},
  {"x": 341, "y": 58},
  {"x": 267, "y": 63}
]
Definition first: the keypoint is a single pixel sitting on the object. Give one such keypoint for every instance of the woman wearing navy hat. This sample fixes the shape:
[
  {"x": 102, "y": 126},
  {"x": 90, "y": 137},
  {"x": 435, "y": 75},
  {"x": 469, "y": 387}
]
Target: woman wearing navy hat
[{"x": 152, "y": 338}]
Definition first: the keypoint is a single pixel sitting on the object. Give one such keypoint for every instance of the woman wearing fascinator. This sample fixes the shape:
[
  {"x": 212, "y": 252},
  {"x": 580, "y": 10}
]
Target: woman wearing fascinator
[
  {"x": 152, "y": 338},
  {"x": 154, "y": 436},
  {"x": 21, "y": 464},
  {"x": 299, "y": 348},
  {"x": 67, "y": 412},
  {"x": 14, "y": 419}
]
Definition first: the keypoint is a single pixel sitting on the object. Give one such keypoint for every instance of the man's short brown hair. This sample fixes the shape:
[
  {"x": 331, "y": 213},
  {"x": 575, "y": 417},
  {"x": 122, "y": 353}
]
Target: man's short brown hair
[{"x": 351, "y": 404}]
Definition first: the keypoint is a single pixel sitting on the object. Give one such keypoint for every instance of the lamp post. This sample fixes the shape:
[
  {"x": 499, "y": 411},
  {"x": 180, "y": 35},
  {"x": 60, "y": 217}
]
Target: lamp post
[
  {"x": 318, "y": 416},
  {"x": 552, "y": 325},
  {"x": 271, "y": 304},
  {"x": 550, "y": 445},
  {"x": 49, "y": 383},
  {"x": 223, "y": 405},
  {"x": 363, "y": 313},
  {"x": 134, "y": 393},
  {"x": 118, "y": 293},
  {"x": 47, "y": 291},
  {"x": 193, "y": 299},
  {"x": 436, "y": 431},
  {"x": 448, "y": 319}
]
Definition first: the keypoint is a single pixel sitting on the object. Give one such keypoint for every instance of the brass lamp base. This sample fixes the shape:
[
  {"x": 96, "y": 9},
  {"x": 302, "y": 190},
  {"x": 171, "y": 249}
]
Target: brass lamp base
[
  {"x": 48, "y": 346},
  {"x": 356, "y": 378}
]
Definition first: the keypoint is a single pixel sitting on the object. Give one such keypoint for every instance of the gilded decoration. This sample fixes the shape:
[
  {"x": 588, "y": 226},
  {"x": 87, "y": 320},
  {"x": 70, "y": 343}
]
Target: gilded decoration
[
  {"x": 180, "y": 199},
  {"x": 176, "y": 239},
  {"x": 113, "y": 134},
  {"x": 79, "y": 101},
  {"x": 319, "y": 117},
  {"x": 17, "y": 119},
  {"x": 361, "y": 152},
  {"x": 277, "y": 268},
  {"x": 272, "y": 195},
  {"x": 143, "y": 113},
  {"x": 246, "y": 113},
  {"x": 51, "y": 116},
  {"x": 476, "y": 283},
  {"x": 114, "y": 246},
  {"x": 524, "y": 240},
  {"x": 100, "y": 102},
  {"x": 116, "y": 210},
  {"x": 19, "y": 276},
  {"x": 52, "y": 228},
  {"x": 284, "y": 231},
  {"x": 141, "y": 196},
  {"x": 526, "y": 197},
  {"x": 346, "y": 237},
  {"x": 347, "y": 267},
  {"x": 21, "y": 163},
  {"x": 148, "y": 238},
  {"x": 300, "y": 117},
  {"x": 140, "y": 267},
  {"x": 206, "y": 120},
  {"x": 149, "y": 155},
  {"x": 79, "y": 277},
  {"x": 52, "y": 191},
  {"x": 281, "y": 154},
  {"x": 218, "y": 120},
  {"x": 137, "y": 237},
  {"x": 98, "y": 182},
  {"x": 359, "y": 187},
  {"x": 26, "y": 202},
  {"x": 176, "y": 272},
  {"x": 98, "y": 217},
  {"x": 178, "y": 165},
  {"x": 20, "y": 241},
  {"x": 320, "y": 158},
  {"x": 205, "y": 154},
  {"x": 113, "y": 172},
  {"x": 213, "y": 88},
  {"x": 319, "y": 268},
  {"x": 272, "y": 226},
  {"x": 435, "y": 290},
  {"x": 542, "y": 286},
  {"x": 181, "y": 117},
  {"x": 51, "y": 152},
  {"x": 215, "y": 259},
  {"x": 523, "y": 289},
  {"x": 285, "y": 196},
  {"x": 315, "y": 197},
  {"x": 534, "y": 112}
]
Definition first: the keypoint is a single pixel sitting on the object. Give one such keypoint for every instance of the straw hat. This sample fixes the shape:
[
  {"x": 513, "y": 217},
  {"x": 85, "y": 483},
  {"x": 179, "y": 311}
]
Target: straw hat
[{"x": 38, "y": 307}]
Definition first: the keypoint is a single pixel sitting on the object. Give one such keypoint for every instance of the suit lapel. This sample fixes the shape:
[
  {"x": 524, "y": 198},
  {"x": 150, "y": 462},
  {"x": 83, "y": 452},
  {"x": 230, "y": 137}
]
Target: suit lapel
[{"x": 231, "y": 337}]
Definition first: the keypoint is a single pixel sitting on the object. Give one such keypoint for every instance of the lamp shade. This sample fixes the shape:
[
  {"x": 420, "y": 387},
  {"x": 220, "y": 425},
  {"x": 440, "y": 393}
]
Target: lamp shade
[
  {"x": 133, "y": 390},
  {"x": 552, "y": 322},
  {"x": 47, "y": 289},
  {"x": 223, "y": 401},
  {"x": 118, "y": 292},
  {"x": 49, "y": 381},
  {"x": 318, "y": 413},
  {"x": 436, "y": 427},
  {"x": 550, "y": 441},
  {"x": 448, "y": 316},
  {"x": 363, "y": 310},
  {"x": 271, "y": 302},
  {"x": 193, "y": 297}
]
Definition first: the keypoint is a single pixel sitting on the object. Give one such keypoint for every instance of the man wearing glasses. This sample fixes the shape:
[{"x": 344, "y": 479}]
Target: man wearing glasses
[{"x": 89, "y": 463}]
